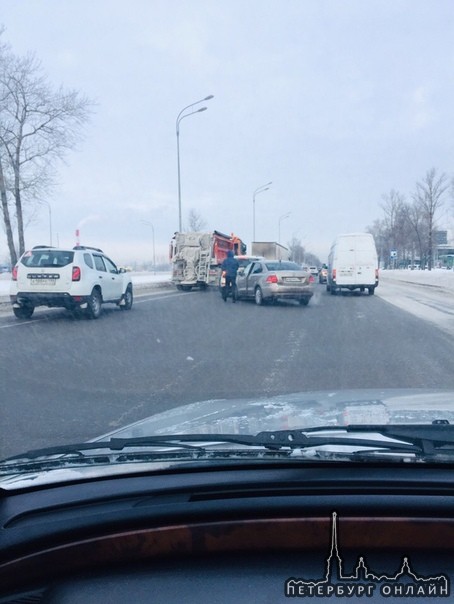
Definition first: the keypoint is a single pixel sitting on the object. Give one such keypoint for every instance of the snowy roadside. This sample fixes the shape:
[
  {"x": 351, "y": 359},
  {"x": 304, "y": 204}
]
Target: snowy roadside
[
  {"x": 439, "y": 278},
  {"x": 427, "y": 295}
]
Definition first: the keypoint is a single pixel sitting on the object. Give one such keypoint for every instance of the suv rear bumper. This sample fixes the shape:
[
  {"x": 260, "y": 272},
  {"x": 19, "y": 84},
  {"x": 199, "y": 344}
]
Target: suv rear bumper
[{"x": 50, "y": 299}]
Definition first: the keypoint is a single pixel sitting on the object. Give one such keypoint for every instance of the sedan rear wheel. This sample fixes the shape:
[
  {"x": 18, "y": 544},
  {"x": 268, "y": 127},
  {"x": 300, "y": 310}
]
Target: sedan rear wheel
[
  {"x": 304, "y": 301},
  {"x": 259, "y": 297}
]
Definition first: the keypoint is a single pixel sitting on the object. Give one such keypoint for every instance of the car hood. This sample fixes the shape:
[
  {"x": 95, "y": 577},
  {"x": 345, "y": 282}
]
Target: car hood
[
  {"x": 251, "y": 416},
  {"x": 298, "y": 410}
]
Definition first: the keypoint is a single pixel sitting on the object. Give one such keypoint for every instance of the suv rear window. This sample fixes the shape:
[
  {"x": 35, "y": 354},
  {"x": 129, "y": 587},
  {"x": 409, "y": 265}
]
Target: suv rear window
[{"x": 47, "y": 258}]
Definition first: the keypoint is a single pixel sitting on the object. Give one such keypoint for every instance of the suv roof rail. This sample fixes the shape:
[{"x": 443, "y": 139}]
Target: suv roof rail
[
  {"x": 87, "y": 247},
  {"x": 43, "y": 247}
]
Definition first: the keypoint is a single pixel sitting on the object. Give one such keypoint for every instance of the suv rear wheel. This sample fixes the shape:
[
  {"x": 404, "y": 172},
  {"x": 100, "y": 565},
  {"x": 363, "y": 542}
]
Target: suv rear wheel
[
  {"x": 94, "y": 304},
  {"x": 24, "y": 312}
]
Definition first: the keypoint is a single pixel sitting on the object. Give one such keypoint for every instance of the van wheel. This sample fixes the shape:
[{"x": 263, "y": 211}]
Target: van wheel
[
  {"x": 328, "y": 288},
  {"x": 24, "y": 312},
  {"x": 94, "y": 305},
  {"x": 333, "y": 291},
  {"x": 371, "y": 291}
]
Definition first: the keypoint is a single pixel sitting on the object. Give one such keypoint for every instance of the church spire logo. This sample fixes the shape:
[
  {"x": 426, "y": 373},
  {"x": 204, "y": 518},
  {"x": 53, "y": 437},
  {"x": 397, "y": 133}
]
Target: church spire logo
[{"x": 405, "y": 582}]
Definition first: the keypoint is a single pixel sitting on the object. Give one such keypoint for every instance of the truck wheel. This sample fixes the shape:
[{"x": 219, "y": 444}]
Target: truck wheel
[
  {"x": 128, "y": 297},
  {"x": 371, "y": 290},
  {"x": 24, "y": 312},
  {"x": 94, "y": 303},
  {"x": 259, "y": 297},
  {"x": 186, "y": 288}
]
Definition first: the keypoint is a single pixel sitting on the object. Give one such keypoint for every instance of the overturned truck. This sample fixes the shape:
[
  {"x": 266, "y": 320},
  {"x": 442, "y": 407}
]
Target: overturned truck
[{"x": 196, "y": 257}]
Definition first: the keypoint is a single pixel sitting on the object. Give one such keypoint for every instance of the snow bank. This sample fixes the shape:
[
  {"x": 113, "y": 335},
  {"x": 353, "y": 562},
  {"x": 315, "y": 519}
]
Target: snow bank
[{"x": 437, "y": 277}]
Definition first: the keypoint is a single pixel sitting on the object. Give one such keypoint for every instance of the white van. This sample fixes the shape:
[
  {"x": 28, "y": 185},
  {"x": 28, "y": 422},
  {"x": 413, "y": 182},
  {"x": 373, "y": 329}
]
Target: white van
[{"x": 353, "y": 263}]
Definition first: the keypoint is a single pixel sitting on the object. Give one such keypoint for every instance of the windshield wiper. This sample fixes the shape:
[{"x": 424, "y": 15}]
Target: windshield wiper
[{"x": 420, "y": 439}]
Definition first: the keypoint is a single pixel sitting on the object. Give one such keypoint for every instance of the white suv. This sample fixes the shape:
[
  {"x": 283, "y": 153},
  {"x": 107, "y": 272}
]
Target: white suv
[{"x": 79, "y": 279}]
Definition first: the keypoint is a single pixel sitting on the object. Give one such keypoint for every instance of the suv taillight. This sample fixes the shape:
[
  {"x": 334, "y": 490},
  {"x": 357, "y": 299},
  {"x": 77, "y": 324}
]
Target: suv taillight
[
  {"x": 14, "y": 273},
  {"x": 76, "y": 273}
]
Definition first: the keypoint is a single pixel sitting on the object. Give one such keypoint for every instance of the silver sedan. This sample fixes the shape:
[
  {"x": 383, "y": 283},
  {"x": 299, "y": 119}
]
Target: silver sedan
[{"x": 268, "y": 280}]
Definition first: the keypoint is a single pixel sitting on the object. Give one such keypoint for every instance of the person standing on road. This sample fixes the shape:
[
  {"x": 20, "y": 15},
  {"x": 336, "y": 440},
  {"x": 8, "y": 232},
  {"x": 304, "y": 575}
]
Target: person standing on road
[{"x": 230, "y": 267}]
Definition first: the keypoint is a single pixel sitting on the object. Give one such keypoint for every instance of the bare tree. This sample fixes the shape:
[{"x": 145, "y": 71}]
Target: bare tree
[
  {"x": 196, "y": 222},
  {"x": 394, "y": 222},
  {"x": 3, "y": 188},
  {"x": 296, "y": 250},
  {"x": 37, "y": 126},
  {"x": 379, "y": 232},
  {"x": 428, "y": 198},
  {"x": 418, "y": 223}
]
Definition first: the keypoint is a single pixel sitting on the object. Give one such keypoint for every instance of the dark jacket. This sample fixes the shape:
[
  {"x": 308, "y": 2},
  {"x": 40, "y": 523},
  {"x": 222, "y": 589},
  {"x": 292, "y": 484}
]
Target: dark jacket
[{"x": 230, "y": 265}]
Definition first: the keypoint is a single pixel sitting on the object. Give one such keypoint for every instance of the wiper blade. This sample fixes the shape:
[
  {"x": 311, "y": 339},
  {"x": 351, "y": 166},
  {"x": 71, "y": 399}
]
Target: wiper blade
[
  {"x": 417, "y": 438},
  {"x": 114, "y": 444},
  {"x": 421, "y": 439}
]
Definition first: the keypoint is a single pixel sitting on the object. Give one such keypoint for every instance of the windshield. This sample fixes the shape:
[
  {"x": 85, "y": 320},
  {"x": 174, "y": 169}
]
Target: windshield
[{"x": 159, "y": 162}]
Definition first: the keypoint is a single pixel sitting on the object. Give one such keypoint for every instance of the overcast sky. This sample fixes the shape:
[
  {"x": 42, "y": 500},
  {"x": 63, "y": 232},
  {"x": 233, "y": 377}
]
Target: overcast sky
[{"x": 334, "y": 101}]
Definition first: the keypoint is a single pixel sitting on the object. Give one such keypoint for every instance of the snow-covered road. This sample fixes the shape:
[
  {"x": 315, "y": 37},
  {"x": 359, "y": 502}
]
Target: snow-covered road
[{"x": 428, "y": 295}]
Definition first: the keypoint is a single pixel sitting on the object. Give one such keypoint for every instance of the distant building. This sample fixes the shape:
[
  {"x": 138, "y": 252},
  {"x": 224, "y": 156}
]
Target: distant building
[{"x": 444, "y": 250}]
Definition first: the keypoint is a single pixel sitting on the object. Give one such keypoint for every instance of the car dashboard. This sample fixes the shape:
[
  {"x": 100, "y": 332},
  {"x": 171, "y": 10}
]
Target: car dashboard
[{"x": 268, "y": 533}]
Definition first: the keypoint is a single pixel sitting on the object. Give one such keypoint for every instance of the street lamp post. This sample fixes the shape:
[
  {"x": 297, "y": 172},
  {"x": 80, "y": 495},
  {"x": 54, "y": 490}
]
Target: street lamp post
[
  {"x": 281, "y": 218},
  {"x": 258, "y": 190},
  {"x": 150, "y": 224},
  {"x": 180, "y": 117}
]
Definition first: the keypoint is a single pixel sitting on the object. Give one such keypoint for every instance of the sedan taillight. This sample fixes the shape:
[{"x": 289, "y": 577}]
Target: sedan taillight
[
  {"x": 76, "y": 273},
  {"x": 272, "y": 279},
  {"x": 14, "y": 273}
]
